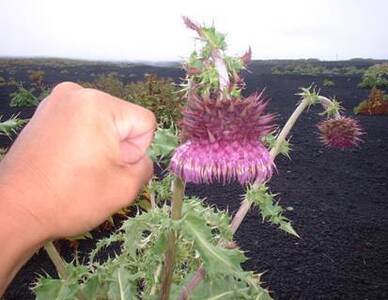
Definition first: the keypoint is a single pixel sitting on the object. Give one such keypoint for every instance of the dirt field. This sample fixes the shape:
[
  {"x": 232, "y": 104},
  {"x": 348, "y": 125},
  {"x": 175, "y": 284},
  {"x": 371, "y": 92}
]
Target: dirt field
[{"x": 338, "y": 200}]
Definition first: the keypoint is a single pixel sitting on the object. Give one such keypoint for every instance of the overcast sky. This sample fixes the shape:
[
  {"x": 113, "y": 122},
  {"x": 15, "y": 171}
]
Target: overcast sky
[{"x": 153, "y": 30}]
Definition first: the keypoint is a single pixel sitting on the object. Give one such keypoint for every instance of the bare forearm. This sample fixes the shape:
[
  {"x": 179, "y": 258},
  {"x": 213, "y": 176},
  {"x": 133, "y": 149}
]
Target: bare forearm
[{"x": 18, "y": 236}]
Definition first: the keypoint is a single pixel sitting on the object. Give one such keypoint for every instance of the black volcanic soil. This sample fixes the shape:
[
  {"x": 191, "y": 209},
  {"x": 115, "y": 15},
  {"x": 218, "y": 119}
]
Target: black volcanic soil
[{"x": 338, "y": 200}]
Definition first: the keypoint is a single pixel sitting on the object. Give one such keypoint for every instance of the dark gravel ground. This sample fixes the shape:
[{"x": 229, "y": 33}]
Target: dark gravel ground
[{"x": 338, "y": 198}]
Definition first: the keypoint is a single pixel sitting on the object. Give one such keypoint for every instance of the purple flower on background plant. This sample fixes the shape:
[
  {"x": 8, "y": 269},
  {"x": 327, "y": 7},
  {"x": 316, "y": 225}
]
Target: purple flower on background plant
[
  {"x": 223, "y": 141},
  {"x": 342, "y": 132}
]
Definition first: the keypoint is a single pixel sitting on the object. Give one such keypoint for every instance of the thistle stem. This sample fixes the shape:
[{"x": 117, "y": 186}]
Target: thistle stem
[
  {"x": 287, "y": 127},
  {"x": 57, "y": 260},
  {"x": 178, "y": 192},
  {"x": 152, "y": 196}
]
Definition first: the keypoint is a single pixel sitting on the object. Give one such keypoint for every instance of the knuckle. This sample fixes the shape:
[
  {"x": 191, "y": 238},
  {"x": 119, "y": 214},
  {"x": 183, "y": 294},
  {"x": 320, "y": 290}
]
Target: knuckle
[
  {"x": 65, "y": 87},
  {"x": 86, "y": 97}
]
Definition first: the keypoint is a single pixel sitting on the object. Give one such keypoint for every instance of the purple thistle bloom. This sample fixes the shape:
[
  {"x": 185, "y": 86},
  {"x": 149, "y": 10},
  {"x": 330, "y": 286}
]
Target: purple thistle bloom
[
  {"x": 223, "y": 141},
  {"x": 342, "y": 132}
]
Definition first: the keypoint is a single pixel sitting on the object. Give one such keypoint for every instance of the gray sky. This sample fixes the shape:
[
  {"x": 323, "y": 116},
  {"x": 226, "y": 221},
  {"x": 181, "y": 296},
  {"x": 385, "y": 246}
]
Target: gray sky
[{"x": 153, "y": 30}]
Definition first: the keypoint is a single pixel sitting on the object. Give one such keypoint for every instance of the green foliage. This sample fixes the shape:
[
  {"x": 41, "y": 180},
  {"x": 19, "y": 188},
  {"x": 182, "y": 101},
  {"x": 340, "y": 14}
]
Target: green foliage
[
  {"x": 375, "y": 76},
  {"x": 310, "y": 94},
  {"x": 328, "y": 83},
  {"x": 26, "y": 98},
  {"x": 217, "y": 260},
  {"x": 332, "y": 109},
  {"x": 109, "y": 83},
  {"x": 11, "y": 125},
  {"x": 213, "y": 38},
  {"x": 23, "y": 97},
  {"x": 159, "y": 95},
  {"x": 132, "y": 272},
  {"x": 315, "y": 69},
  {"x": 270, "y": 210},
  {"x": 164, "y": 143},
  {"x": 202, "y": 75},
  {"x": 270, "y": 140},
  {"x": 161, "y": 189}
]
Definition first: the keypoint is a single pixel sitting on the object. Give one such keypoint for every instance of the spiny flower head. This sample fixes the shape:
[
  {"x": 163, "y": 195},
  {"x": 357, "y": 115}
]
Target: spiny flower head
[
  {"x": 342, "y": 132},
  {"x": 222, "y": 131}
]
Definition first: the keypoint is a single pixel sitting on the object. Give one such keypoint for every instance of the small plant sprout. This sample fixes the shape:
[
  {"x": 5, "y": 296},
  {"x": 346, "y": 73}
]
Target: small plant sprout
[{"x": 179, "y": 247}]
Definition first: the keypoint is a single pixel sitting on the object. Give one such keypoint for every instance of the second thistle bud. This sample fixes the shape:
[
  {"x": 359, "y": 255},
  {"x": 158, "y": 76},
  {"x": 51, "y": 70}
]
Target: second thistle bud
[{"x": 343, "y": 132}]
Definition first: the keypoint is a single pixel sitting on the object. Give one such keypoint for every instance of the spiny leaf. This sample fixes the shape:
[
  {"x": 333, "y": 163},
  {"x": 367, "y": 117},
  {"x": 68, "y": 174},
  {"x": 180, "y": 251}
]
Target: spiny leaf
[
  {"x": 164, "y": 143},
  {"x": 285, "y": 147},
  {"x": 217, "y": 260},
  {"x": 226, "y": 287},
  {"x": 122, "y": 286},
  {"x": 11, "y": 125},
  {"x": 161, "y": 188},
  {"x": 270, "y": 210},
  {"x": 310, "y": 94},
  {"x": 332, "y": 109}
]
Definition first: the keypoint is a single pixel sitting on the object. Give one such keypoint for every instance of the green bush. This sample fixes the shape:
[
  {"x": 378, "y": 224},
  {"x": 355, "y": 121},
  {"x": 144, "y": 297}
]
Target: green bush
[
  {"x": 26, "y": 98},
  {"x": 311, "y": 69},
  {"x": 375, "y": 76},
  {"x": 109, "y": 83},
  {"x": 159, "y": 95},
  {"x": 328, "y": 82}
]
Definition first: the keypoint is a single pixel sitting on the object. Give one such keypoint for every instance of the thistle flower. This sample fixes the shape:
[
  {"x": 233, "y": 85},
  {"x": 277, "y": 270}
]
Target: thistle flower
[
  {"x": 223, "y": 141},
  {"x": 221, "y": 130},
  {"x": 342, "y": 132}
]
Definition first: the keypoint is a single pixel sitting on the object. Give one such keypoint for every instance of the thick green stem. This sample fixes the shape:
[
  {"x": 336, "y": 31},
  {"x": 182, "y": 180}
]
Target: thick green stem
[
  {"x": 57, "y": 260},
  {"x": 178, "y": 192}
]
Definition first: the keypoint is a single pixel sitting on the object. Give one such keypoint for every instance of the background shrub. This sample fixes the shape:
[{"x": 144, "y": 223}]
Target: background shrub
[
  {"x": 375, "y": 76},
  {"x": 160, "y": 95},
  {"x": 27, "y": 98},
  {"x": 376, "y": 104},
  {"x": 328, "y": 82},
  {"x": 109, "y": 83},
  {"x": 37, "y": 77},
  {"x": 311, "y": 69}
]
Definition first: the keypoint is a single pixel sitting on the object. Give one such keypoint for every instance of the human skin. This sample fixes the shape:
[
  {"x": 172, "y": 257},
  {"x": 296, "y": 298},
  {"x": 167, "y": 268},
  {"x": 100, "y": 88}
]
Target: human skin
[{"x": 80, "y": 159}]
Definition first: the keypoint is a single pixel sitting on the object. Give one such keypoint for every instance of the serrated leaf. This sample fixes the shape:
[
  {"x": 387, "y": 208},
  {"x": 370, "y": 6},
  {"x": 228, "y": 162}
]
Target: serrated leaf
[
  {"x": 11, "y": 125},
  {"x": 50, "y": 288},
  {"x": 225, "y": 287},
  {"x": 269, "y": 209},
  {"x": 287, "y": 227},
  {"x": 285, "y": 147},
  {"x": 164, "y": 143},
  {"x": 122, "y": 287},
  {"x": 217, "y": 260}
]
